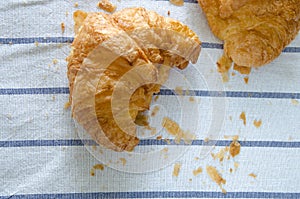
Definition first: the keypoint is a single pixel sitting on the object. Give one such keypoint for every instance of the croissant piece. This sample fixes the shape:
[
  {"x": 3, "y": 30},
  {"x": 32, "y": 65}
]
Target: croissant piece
[
  {"x": 254, "y": 31},
  {"x": 111, "y": 54}
]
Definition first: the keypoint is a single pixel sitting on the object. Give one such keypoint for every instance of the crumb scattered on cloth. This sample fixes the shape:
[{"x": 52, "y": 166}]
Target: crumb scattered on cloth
[{"x": 176, "y": 169}]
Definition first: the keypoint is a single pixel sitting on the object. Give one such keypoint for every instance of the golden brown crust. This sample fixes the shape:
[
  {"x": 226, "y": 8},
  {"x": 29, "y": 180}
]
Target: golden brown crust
[
  {"x": 254, "y": 31},
  {"x": 117, "y": 35}
]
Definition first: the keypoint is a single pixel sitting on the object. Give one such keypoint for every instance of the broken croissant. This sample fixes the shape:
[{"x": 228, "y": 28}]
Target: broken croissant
[
  {"x": 254, "y": 31},
  {"x": 110, "y": 53}
]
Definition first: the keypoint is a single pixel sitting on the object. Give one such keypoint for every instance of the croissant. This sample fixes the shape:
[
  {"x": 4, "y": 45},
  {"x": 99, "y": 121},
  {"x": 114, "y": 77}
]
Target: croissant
[
  {"x": 254, "y": 31},
  {"x": 105, "y": 51}
]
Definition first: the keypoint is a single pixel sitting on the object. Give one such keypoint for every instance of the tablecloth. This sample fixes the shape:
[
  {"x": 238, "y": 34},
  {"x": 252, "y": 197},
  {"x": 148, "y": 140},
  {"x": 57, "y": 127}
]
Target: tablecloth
[{"x": 43, "y": 157}]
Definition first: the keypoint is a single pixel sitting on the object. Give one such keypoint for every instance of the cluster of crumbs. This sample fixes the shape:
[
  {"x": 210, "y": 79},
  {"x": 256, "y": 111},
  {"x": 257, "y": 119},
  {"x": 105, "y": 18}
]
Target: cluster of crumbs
[
  {"x": 174, "y": 129},
  {"x": 221, "y": 154},
  {"x": 107, "y": 6},
  {"x": 229, "y": 151},
  {"x": 233, "y": 150}
]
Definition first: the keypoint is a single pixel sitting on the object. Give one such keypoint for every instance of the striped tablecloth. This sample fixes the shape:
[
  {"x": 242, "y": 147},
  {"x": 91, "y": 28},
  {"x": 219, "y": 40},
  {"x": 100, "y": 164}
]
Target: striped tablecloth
[{"x": 43, "y": 157}]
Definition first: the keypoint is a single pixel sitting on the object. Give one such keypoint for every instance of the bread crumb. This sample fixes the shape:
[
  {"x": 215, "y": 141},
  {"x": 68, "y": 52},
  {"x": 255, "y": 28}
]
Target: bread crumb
[
  {"x": 174, "y": 129},
  {"x": 242, "y": 69},
  {"x": 107, "y": 6},
  {"x": 54, "y": 61},
  {"x": 94, "y": 147},
  {"x": 233, "y": 137},
  {"x": 234, "y": 148},
  {"x": 230, "y": 170},
  {"x": 214, "y": 175},
  {"x": 252, "y": 175},
  {"x": 224, "y": 64},
  {"x": 53, "y": 98},
  {"x": 236, "y": 165},
  {"x": 76, "y": 4},
  {"x": 206, "y": 139},
  {"x": 197, "y": 171},
  {"x": 233, "y": 74},
  {"x": 177, "y": 2},
  {"x": 169, "y": 13},
  {"x": 295, "y": 102},
  {"x": 197, "y": 158},
  {"x": 156, "y": 98},
  {"x": 165, "y": 150},
  {"x": 36, "y": 43},
  {"x": 176, "y": 170},
  {"x": 63, "y": 27},
  {"x": 92, "y": 172},
  {"x": 243, "y": 117},
  {"x": 153, "y": 131},
  {"x": 257, "y": 123},
  {"x": 159, "y": 137},
  {"x": 230, "y": 118},
  {"x": 98, "y": 167},
  {"x": 190, "y": 180},
  {"x": 67, "y": 105},
  {"x": 67, "y": 13},
  {"x": 191, "y": 99},
  {"x": 221, "y": 154},
  {"x": 124, "y": 161},
  {"x": 179, "y": 90},
  {"x": 246, "y": 80},
  {"x": 154, "y": 111}
]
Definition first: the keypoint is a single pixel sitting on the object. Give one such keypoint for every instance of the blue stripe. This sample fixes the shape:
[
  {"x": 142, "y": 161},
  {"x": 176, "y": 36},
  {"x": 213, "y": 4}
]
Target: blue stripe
[
  {"x": 158, "y": 194},
  {"x": 47, "y": 40},
  {"x": 34, "y": 91},
  {"x": 31, "y": 40},
  {"x": 202, "y": 93},
  {"x": 146, "y": 142}
]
